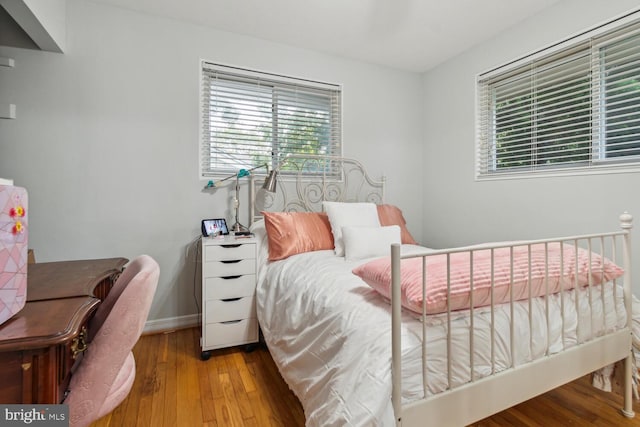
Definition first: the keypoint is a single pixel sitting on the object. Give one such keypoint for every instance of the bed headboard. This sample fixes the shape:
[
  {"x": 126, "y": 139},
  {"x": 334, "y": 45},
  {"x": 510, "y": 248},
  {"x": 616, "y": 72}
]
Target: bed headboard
[{"x": 305, "y": 181}]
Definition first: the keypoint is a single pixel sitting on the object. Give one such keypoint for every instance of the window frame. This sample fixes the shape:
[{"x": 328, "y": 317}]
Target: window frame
[
  {"x": 281, "y": 83},
  {"x": 593, "y": 41}
]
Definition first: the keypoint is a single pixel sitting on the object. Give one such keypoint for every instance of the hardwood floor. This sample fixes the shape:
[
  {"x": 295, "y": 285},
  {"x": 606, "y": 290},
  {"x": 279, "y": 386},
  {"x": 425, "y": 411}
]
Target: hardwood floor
[{"x": 174, "y": 388}]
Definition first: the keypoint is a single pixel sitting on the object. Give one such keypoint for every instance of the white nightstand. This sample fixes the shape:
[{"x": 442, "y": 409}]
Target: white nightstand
[{"x": 228, "y": 293}]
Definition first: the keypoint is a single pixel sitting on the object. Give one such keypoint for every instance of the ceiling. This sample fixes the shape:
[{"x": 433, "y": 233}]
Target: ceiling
[{"x": 413, "y": 35}]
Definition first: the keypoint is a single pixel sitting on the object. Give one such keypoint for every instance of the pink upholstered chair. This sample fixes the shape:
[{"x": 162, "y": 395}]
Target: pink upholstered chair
[
  {"x": 105, "y": 375},
  {"x": 133, "y": 268}
]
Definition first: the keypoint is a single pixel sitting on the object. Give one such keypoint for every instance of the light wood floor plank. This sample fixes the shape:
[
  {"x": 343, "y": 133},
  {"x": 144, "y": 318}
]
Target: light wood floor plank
[
  {"x": 230, "y": 401},
  {"x": 189, "y": 410},
  {"x": 175, "y": 388},
  {"x": 241, "y": 365},
  {"x": 169, "y": 400},
  {"x": 206, "y": 394},
  {"x": 148, "y": 368},
  {"x": 157, "y": 344},
  {"x": 239, "y": 392}
]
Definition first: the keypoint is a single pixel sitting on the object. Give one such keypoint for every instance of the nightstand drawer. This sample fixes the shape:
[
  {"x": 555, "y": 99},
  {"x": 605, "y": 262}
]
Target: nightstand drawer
[
  {"x": 229, "y": 268},
  {"x": 230, "y": 309},
  {"x": 226, "y": 334},
  {"x": 231, "y": 287},
  {"x": 229, "y": 252}
]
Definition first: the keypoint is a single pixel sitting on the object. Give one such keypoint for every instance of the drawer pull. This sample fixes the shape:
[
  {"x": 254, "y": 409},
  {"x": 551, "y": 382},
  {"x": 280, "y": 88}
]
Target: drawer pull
[
  {"x": 231, "y": 277},
  {"x": 231, "y": 246},
  {"x": 79, "y": 345},
  {"x": 231, "y": 299},
  {"x": 233, "y": 261},
  {"x": 231, "y": 322}
]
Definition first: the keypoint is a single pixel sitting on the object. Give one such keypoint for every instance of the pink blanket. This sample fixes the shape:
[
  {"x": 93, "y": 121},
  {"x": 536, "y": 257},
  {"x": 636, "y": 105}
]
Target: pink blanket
[{"x": 377, "y": 274}]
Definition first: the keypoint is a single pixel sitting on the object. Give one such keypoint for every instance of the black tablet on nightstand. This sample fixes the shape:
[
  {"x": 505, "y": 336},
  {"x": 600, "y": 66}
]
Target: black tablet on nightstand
[{"x": 213, "y": 227}]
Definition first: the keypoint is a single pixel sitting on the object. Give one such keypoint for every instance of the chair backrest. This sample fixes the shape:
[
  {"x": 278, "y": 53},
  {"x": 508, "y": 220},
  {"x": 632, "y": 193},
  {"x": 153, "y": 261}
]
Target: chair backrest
[
  {"x": 91, "y": 384},
  {"x": 130, "y": 271}
]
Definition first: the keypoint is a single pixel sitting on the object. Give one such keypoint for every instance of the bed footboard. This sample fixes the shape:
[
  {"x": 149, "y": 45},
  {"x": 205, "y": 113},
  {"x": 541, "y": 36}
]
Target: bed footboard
[{"x": 596, "y": 342}]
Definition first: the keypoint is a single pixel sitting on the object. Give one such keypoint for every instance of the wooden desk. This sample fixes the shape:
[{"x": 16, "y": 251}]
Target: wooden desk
[
  {"x": 36, "y": 345},
  {"x": 63, "y": 279}
]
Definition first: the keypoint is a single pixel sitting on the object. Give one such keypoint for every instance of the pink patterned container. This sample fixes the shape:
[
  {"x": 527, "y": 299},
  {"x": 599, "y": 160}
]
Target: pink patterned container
[{"x": 13, "y": 250}]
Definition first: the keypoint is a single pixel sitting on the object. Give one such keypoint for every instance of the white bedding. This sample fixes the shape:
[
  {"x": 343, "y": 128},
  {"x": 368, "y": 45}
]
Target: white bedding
[{"x": 330, "y": 336}]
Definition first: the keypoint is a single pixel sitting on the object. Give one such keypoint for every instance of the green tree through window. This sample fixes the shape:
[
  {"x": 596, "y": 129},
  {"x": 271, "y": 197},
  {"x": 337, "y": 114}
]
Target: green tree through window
[{"x": 252, "y": 118}]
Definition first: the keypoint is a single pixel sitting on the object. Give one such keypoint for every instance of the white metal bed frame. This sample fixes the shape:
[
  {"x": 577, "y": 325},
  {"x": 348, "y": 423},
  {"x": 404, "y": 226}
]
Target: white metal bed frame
[
  {"x": 305, "y": 181},
  {"x": 483, "y": 397},
  {"x": 342, "y": 179}
]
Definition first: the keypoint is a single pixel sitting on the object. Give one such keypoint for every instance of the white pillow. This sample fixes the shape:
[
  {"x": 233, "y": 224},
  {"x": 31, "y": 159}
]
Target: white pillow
[
  {"x": 262, "y": 246},
  {"x": 349, "y": 214},
  {"x": 368, "y": 242}
]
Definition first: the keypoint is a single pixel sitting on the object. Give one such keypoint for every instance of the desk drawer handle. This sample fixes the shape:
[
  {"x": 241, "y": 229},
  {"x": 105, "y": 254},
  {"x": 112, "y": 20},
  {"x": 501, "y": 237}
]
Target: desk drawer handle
[
  {"x": 231, "y": 246},
  {"x": 231, "y": 322},
  {"x": 234, "y": 261},
  {"x": 79, "y": 345},
  {"x": 230, "y": 277},
  {"x": 231, "y": 299}
]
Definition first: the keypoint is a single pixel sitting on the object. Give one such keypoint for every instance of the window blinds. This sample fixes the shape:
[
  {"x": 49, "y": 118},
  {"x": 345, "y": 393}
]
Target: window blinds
[
  {"x": 574, "y": 108},
  {"x": 251, "y": 118},
  {"x": 619, "y": 123}
]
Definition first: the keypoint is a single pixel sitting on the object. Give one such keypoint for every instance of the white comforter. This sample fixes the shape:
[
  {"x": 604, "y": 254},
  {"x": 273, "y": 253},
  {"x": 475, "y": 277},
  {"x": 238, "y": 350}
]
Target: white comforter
[{"x": 330, "y": 336}]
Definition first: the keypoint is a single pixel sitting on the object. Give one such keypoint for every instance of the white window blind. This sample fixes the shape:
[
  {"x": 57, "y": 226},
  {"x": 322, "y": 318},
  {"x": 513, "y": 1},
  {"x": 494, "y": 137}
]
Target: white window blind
[
  {"x": 251, "y": 118},
  {"x": 576, "y": 108}
]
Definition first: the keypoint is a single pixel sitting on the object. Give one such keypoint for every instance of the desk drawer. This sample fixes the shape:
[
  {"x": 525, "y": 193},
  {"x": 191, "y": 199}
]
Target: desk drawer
[
  {"x": 229, "y": 268},
  {"x": 231, "y": 287},
  {"x": 227, "y": 334},
  {"x": 230, "y": 309},
  {"x": 229, "y": 252}
]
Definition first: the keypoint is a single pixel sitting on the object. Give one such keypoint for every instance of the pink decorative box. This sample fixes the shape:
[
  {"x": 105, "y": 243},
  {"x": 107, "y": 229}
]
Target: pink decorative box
[{"x": 13, "y": 250}]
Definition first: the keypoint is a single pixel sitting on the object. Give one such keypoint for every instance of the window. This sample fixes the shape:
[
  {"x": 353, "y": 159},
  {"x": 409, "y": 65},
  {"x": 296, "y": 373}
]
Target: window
[
  {"x": 250, "y": 118},
  {"x": 568, "y": 109}
]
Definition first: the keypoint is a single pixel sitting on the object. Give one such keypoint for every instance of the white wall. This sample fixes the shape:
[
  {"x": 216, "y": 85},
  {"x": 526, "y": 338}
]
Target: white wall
[
  {"x": 106, "y": 136},
  {"x": 458, "y": 210}
]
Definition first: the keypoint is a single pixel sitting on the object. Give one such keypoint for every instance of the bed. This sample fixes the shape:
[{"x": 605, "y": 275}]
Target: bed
[{"x": 361, "y": 338}]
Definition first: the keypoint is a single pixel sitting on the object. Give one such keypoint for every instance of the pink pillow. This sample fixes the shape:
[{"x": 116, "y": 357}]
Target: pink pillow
[
  {"x": 392, "y": 215},
  {"x": 377, "y": 274},
  {"x": 291, "y": 233}
]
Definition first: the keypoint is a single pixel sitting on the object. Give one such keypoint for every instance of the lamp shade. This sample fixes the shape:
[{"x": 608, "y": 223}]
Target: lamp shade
[{"x": 270, "y": 182}]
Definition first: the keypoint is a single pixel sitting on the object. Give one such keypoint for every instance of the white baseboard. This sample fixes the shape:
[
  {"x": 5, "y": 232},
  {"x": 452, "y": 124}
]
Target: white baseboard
[{"x": 170, "y": 323}]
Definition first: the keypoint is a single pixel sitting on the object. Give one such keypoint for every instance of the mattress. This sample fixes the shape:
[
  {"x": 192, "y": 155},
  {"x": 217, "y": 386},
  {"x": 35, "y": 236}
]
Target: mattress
[{"x": 330, "y": 336}]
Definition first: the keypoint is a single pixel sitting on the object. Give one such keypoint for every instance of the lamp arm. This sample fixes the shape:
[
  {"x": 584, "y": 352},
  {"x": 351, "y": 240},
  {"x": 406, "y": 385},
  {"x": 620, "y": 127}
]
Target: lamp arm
[
  {"x": 264, "y": 165},
  {"x": 241, "y": 173},
  {"x": 235, "y": 175}
]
